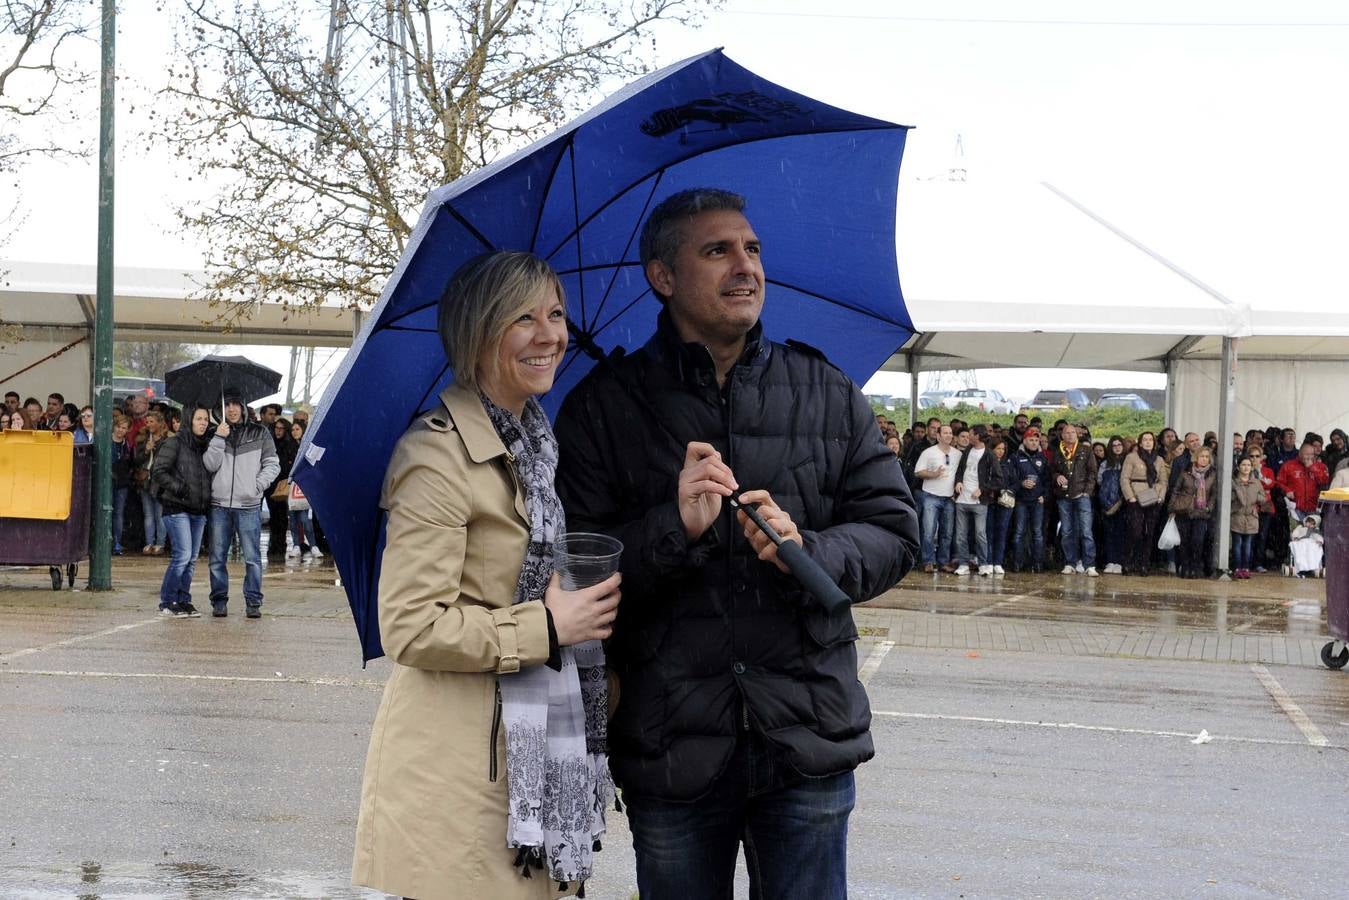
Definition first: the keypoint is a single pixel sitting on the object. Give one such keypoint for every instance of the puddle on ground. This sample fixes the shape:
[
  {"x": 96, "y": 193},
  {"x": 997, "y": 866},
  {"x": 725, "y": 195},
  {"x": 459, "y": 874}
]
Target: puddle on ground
[{"x": 91, "y": 880}]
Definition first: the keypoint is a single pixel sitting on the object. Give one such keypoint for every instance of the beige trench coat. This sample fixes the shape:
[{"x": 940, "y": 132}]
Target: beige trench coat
[{"x": 432, "y": 821}]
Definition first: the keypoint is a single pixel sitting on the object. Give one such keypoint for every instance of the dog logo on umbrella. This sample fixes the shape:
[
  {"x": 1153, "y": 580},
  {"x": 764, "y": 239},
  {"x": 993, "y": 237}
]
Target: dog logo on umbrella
[{"x": 721, "y": 111}]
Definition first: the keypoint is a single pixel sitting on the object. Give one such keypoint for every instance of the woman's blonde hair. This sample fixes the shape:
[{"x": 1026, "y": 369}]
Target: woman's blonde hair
[{"x": 484, "y": 297}]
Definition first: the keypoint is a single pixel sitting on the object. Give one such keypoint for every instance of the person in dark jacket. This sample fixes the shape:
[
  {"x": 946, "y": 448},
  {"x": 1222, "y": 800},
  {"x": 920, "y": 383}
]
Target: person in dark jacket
[
  {"x": 1028, "y": 516},
  {"x": 740, "y": 711},
  {"x": 1110, "y": 506},
  {"x": 278, "y": 521},
  {"x": 998, "y": 472},
  {"x": 183, "y": 486},
  {"x": 1073, "y": 470}
]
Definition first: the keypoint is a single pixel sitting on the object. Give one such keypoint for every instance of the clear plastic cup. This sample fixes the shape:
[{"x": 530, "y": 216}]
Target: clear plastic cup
[{"x": 584, "y": 559}]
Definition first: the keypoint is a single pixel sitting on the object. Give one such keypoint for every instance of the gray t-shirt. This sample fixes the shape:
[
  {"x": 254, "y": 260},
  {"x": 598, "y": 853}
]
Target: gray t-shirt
[{"x": 970, "y": 483}]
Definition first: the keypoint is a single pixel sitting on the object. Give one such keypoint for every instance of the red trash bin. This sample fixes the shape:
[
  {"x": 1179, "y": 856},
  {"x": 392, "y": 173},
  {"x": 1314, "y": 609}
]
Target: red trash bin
[{"x": 1335, "y": 533}]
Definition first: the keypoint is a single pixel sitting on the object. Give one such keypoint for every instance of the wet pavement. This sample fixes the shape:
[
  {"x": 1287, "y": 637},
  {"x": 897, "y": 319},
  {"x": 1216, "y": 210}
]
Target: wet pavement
[{"x": 1034, "y": 738}]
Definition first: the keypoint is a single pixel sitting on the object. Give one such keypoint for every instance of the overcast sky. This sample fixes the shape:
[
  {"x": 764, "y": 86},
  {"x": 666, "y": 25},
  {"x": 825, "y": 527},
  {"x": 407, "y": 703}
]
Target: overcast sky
[{"x": 1212, "y": 131}]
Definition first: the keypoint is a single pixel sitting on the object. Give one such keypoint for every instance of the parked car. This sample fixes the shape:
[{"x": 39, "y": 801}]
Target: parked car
[
  {"x": 1122, "y": 401},
  {"x": 931, "y": 399},
  {"x": 985, "y": 399},
  {"x": 1048, "y": 401},
  {"x": 123, "y": 386}
]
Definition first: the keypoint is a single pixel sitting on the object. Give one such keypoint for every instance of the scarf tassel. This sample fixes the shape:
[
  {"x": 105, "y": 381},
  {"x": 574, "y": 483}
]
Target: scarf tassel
[
  {"x": 527, "y": 858},
  {"x": 597, "y": 846},
  {"x": 581, "y": 894}
]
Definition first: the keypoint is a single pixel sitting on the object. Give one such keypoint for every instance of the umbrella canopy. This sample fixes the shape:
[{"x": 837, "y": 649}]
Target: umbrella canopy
[
  {"x": 210, "y": 379},
  {"x": 820, "y": 184}
]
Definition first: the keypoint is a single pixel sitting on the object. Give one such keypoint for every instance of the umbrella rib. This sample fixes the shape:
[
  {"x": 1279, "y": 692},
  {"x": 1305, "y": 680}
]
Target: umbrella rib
[
  {"x": 576, "y": 219},
  {"x": 427, "y": 393},
  {"x": 458, "y": 217},
  {"x": 848, "y": 306},
  {"x": 661, "y": 170},
  {"x": 618, "y": 315},
  {"x": 548, "y": 186},
  {"x": 655, "y": 184}
]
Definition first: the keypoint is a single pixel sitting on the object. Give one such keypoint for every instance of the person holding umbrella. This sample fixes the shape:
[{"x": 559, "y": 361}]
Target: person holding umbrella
[
  {"x": 740, "y": 716},
  {"x": 484, "y": 776},
  {"x": 242, "y": 460}
]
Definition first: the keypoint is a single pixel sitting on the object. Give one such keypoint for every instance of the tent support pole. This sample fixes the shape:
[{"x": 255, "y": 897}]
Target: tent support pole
[
  {"x": 1227, "y": 404},
  {"x": 100, "y": 530},
  {"x": 913, "y": 390}
]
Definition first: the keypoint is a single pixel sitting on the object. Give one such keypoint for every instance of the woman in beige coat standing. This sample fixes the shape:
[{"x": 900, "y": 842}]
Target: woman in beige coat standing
[
  {"x": 475, "y": 785},
  {"x": 1142, "y": 482}
]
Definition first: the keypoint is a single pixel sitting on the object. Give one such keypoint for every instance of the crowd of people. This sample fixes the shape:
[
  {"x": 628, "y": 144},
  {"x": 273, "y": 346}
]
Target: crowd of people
[
  {"x": 1026, "y": 498},
  {"x": 184, "y": 478}
]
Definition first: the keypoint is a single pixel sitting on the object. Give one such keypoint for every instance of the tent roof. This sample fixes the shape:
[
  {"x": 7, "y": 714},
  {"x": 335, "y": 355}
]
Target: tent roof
[
  {"x": 159, "y": 305},
  {"x": 1021, "y": 275}
]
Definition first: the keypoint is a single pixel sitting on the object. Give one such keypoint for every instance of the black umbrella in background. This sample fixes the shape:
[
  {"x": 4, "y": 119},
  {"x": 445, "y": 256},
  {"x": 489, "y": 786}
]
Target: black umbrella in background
[{"x": 207, "y": 381}]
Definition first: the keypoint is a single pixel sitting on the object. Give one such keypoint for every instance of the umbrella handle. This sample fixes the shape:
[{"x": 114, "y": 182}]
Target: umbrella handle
[{"x": 807, "y": 571}]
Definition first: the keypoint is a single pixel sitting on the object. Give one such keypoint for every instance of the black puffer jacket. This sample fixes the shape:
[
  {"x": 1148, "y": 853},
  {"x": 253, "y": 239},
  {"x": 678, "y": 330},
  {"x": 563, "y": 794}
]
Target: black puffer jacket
[
  {"x": 180, "y": 478},
  {"x": 710, "y": 641}
]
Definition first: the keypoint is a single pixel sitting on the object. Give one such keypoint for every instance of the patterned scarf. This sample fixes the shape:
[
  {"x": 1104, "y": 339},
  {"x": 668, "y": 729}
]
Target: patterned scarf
[
  {"x": 557, "y": 769},
  {"x": 1200, "y": 487}
]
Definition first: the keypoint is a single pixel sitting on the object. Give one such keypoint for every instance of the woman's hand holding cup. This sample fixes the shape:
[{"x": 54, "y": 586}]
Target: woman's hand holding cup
[{"x": 586, "y": 614}]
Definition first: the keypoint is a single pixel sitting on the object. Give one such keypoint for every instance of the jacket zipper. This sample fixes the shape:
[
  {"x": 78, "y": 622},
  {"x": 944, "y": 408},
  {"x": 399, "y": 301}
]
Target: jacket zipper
[
  {"x": 496, "y": 729},
  {"x": 729, "y": 408}
]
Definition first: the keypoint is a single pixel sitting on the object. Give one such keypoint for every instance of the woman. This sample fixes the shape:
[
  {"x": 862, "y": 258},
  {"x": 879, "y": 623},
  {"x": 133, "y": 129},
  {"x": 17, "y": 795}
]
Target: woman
[
  {"x": 183, "y": 486},
  {"x": 4, "y": 420},
  {"x": 1110, "y": 505},
  {"x": 122, "y": 465},
  {"x": 1002, "y": 473},
  {"x": 84, "y": 431},
  {"x": 148, "y": 441},
  {"x": 474, "y": 618},
  {"x": 64, "y": 422},
  {"x": 18, "y": 420},
  {"x": 1142, "y": 484},
  {"x": 301, "y": 521},
  {"x": 1248, "y": 495},
  {"x": 1336, "y": 451},
  {"x": 278, "y": 519},
  {"x": 1265, "y": 475},
  {"x": 1192, "y": 503}
]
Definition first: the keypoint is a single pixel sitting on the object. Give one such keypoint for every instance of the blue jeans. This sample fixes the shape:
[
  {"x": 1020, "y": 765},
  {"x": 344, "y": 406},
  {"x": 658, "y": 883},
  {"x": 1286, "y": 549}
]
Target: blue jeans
[
  {"x": 118, "y": 514},
  {"x": 999, "y": 525},
  {"x": 247, "y": 523},
  {"x": 795, "y": 836},
  {"x": 938, "y": 514},
  {"x": 302, "y": 528},
  {"x": 153, "y": 517},
  {"x": 967, "y": 513},
  {"x": 1242, "y": 546},
  {"x": 1075, "y": 536},
  {"x": 1028, "y": 526},
  {"x": 184, "y": 530}
]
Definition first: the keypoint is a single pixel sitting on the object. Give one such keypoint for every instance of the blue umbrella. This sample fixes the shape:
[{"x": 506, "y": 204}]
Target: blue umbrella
[{"x": 820, "y": 184}]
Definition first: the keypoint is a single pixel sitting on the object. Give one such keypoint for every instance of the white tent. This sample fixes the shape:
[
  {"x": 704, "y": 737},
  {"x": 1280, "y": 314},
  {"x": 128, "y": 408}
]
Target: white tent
[
  {"x": 55, "y": 303},
  {"x": 1010, "y": 276}
]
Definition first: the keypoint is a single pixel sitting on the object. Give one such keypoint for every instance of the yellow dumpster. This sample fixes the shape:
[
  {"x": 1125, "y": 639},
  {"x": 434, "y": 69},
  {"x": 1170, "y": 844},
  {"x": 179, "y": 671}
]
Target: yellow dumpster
[{"x": 36, "y": 474}]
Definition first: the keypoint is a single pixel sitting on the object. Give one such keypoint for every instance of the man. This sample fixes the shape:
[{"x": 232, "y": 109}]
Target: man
[
  {"x": 137, "y": 405},
  {"x": 740, "y": 713},
  {"x": 1074, "y": 471},
  {"x": 56, "y": 403},
  {"x": 1287, "y": 450},
  {"x": 11, "y": 402},
  {"x": 301, "y": 417},
  {"x": 1238, "y": 447},
  {"x": 971, "y": 511},
  {"x": 924, "y": 436},
  {"x": 936, "y": 470},
  {"x": 1303, "y": 479},
  {"x": 242, "y": 460},
  {"x": 268, "y": 415},
  {"x": 1018, "y": 431},
  {"x": 1028, "y": 516}
]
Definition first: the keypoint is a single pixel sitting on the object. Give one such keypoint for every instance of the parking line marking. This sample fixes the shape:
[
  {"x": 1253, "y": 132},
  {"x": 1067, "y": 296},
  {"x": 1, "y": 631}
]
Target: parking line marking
[
  {"x": 1015, "y": 598},
  {"x": 874, "y": 661},
  {"x": 1074, "y": 726},
  {"x": 1290, "y": 708},
  {"x": 15, "y": 654},
  {"x": 183, "y": 676}
]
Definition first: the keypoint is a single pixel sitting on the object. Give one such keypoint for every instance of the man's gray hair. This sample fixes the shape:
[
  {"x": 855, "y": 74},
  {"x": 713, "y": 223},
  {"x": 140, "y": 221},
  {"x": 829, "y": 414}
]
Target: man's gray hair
[
  {"x": 485, "y": 295},
  {"x": 662, "y": 234}
]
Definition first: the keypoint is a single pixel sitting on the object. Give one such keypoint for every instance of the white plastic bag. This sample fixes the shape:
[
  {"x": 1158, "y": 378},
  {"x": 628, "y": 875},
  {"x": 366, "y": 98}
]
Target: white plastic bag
[{"x": 1170, "y": 536}]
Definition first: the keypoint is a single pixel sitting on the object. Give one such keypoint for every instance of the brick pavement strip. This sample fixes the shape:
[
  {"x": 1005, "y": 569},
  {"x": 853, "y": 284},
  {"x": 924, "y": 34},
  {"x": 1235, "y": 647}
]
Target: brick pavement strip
[{"x": 911, "y": 628}]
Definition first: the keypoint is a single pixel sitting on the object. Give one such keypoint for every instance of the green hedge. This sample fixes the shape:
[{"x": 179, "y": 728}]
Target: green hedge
[{"x": 1102, "y": 422}]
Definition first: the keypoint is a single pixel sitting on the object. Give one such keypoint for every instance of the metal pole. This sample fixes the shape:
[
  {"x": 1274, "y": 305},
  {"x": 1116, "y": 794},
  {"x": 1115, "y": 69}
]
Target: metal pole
[
  {"x": 101, "y": 537},
  {"x": 913, "y": 390},
  {"x": 1168, "y": 406},
  {"x": 1227, "y": 409}
]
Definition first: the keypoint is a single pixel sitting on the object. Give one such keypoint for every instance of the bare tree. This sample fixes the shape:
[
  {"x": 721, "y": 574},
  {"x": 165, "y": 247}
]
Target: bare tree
[
  {"x": 37, "y": 70},
  {"x": 325, "y": 154},
  {"x": 152, "y": 360}
]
